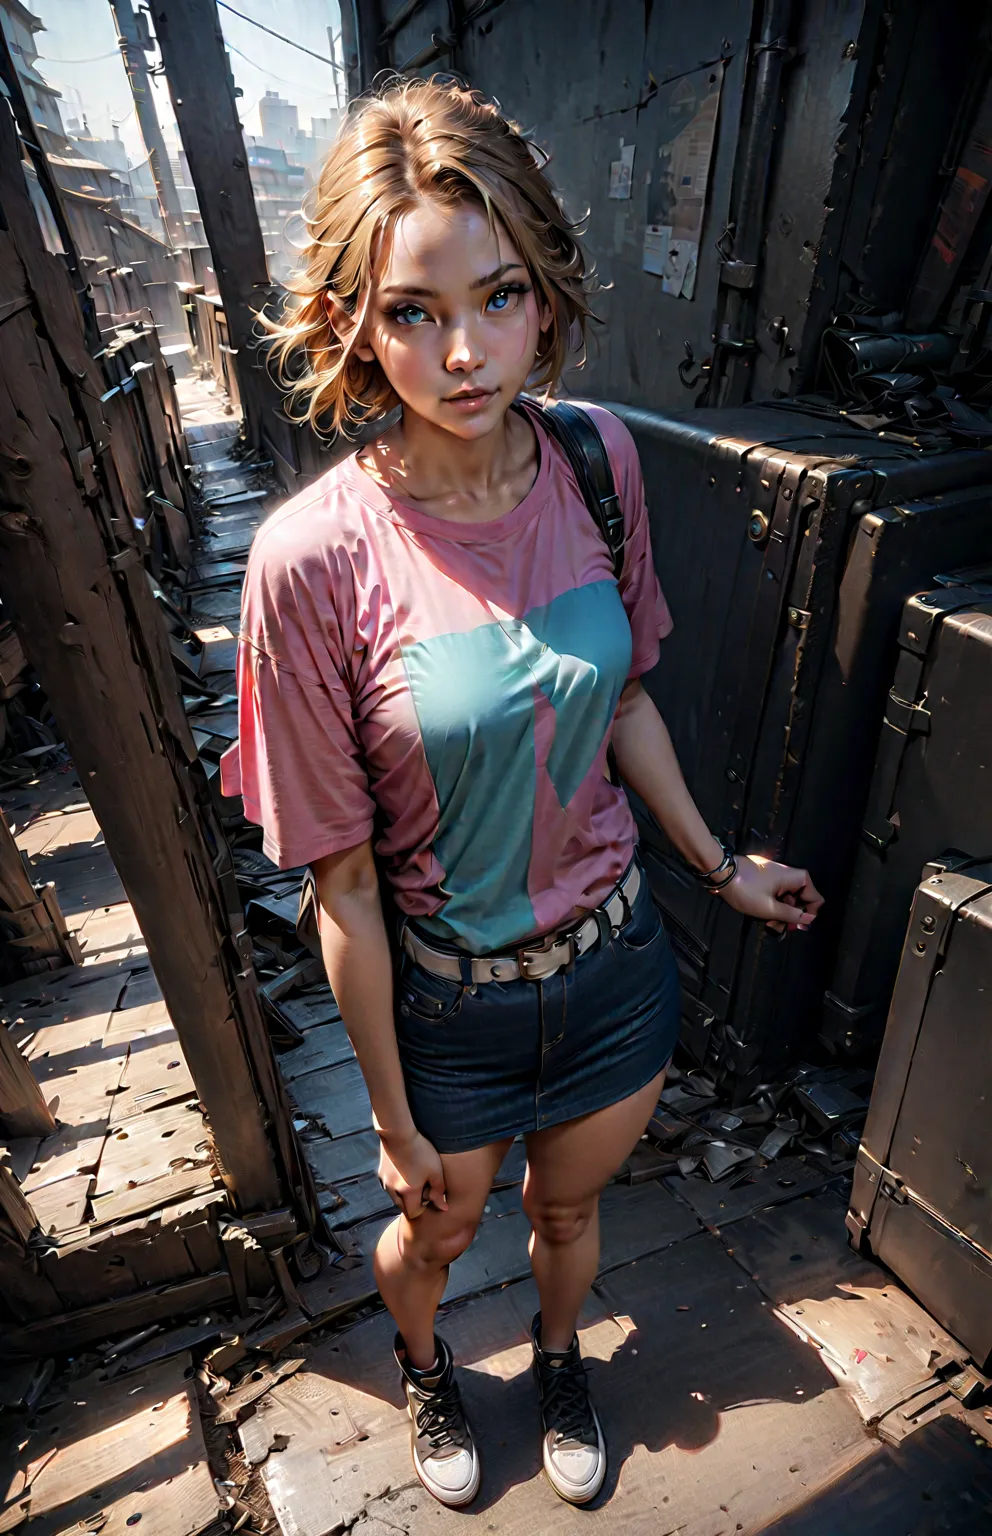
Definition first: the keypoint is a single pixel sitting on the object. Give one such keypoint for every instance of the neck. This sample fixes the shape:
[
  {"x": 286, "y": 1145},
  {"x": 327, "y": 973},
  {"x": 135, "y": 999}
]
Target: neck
[{"x": 436, "y": 464}]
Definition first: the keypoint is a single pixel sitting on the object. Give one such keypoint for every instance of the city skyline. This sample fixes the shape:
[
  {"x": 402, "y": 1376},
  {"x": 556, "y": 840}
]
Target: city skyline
[{"x": 78, "y": 55}]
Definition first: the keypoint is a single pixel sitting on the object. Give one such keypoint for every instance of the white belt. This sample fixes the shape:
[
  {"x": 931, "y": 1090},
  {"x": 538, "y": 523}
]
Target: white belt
[{"x": 533, "y": 962}]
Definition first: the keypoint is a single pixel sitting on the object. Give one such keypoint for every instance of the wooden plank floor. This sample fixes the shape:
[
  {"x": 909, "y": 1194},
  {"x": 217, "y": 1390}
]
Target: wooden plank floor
[{"x": 131, "y": 1140}]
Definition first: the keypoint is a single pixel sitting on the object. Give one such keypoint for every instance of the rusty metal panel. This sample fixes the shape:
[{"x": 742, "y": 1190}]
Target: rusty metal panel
[{"x": 583, "y": 77}]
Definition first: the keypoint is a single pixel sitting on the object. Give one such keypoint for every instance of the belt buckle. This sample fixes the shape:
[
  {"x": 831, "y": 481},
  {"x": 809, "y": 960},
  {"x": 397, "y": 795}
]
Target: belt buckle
[{"x": 551, "y": 941}]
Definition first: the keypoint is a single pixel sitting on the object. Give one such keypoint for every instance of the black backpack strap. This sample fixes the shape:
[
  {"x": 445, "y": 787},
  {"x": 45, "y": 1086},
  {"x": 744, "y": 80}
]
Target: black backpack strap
[{"x": 578, "y": 436}]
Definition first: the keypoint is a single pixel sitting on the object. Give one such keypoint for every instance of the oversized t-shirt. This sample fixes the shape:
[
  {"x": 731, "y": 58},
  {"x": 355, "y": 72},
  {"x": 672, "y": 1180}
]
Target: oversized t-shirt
[{"x": 460, "y": 678}]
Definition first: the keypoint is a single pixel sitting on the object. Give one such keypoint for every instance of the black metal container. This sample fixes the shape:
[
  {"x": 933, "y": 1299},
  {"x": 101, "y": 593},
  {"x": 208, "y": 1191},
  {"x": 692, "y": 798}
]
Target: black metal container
[
  {"x": 931, "y": 790},
  {"x": 787, "y": 543},
  {"x": 920, "y": 1200}
]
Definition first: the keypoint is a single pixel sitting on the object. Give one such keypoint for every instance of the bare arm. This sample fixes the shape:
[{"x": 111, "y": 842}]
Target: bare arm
[
  {"x": 647, "y": 762},
  {"x": 359, "y": 967}
]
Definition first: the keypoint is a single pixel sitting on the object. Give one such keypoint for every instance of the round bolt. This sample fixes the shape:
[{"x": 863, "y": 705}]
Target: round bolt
[{"x": 757, "y": 528}]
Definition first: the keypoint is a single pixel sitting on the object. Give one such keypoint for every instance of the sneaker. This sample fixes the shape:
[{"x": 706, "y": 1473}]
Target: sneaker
[
  {"x": 574, "y": 1450},
  {"x": 444, "y": 1454}
]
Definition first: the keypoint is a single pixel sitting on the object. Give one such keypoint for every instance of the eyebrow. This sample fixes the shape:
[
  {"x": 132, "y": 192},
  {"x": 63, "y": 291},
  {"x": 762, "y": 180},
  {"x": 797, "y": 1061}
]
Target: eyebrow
[{"x": 481, "y": 282}]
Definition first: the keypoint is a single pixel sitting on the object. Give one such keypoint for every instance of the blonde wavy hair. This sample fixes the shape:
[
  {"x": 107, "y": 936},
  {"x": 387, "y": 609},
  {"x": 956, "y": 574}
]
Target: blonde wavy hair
[{"x": 416, "y": 139}]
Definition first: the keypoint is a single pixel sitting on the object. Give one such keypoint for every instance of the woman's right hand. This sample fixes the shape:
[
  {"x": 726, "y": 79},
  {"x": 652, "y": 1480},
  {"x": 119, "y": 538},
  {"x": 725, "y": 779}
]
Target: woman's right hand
[{"x": 411, "y": 1173}]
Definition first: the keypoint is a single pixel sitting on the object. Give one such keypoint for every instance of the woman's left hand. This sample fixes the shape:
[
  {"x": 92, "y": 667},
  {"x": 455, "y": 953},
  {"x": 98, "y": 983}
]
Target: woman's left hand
[{"x": 783, "y": 897}]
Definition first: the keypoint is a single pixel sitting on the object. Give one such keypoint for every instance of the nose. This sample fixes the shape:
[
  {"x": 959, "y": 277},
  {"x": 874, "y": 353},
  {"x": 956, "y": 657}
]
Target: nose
[{"x": 465, "y": 353}]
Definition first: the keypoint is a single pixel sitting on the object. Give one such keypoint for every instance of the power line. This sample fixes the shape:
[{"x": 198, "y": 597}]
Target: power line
[
  {"x": 97, "y": 59},
  {"x": 264, "y": 69},
  {"x": 281, "y": 38}
]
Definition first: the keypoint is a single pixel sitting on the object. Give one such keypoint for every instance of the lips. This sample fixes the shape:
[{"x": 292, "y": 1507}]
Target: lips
[{"x": 469, "y": 396}]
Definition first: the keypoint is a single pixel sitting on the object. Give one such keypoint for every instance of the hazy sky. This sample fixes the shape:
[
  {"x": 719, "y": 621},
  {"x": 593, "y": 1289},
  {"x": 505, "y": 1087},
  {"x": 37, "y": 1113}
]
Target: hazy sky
[{"x": 78, "y": 55}]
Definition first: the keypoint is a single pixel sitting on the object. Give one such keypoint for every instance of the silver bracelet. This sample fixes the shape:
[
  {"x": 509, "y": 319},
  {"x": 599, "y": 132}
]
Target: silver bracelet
[
  {"x": 724, "y": 872},
  {"x": 728, "y": 871}
]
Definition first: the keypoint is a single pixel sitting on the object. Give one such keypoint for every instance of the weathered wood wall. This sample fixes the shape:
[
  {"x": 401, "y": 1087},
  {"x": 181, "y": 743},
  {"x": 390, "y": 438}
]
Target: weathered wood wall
[{"x": 71, "y": 572}]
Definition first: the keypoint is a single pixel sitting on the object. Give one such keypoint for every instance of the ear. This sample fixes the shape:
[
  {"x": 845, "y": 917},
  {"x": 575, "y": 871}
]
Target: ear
[
  {"x": 546, "y": 314},
  {"x": 345, "y": 326}
]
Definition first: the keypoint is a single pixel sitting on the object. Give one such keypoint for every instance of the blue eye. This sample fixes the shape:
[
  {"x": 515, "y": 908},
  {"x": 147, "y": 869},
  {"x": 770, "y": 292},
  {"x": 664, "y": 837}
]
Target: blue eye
[
  {"x": 500, "y": 300},
  {"x": 410, "y": 314}
]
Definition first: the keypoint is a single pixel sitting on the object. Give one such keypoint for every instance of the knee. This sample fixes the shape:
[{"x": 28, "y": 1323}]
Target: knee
[
  {"x": 438, "y": 1245},
  {"x": 558, "y": 1222}
]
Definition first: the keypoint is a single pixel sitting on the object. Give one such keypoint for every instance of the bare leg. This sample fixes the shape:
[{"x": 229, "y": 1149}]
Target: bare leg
[
  {"x": 412, "y": 1257},
  {"x": 567, "y": 1167}
]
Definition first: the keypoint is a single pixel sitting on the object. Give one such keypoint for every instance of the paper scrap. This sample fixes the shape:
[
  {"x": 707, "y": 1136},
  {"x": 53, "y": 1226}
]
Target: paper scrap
[
  {"x": 677, "y": 196},
  {"x": 622, "y": 172}
]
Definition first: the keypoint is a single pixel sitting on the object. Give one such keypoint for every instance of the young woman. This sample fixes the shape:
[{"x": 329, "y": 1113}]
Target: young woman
[{"x": 435, "y": 657}]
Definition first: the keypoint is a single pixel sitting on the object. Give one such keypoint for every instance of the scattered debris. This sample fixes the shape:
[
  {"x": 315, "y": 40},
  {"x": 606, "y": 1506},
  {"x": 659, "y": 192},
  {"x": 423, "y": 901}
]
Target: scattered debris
[{"x": 697, "y": 1136}]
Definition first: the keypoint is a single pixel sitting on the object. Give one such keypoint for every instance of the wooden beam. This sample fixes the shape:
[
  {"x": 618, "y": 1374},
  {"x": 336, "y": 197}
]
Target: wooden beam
[
  {"x": 363, "y": 44},
  {"x": 70, "y": 1332},
  {"x": 72, "y": 577},
  {"x": 44, "y": 940},
  {"x": 202, "y": 90},
  {"x": 15, "y": 1210},
  {"x": 23, "y": 1111}
]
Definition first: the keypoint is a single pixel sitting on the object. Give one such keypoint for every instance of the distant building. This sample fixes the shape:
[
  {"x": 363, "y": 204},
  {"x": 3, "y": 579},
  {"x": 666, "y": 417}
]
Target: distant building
[
  {"x": 75, "y": 170},
  {"x": 312, "y": 148},
  {"x": 19, "y": 28},
  {"x": 130, "y": 272},
  {"x": 133, "y": 187},
  {"x": 279, "y": 185},
  {"x": 187, "y": 198},
  {"x": 280, "y": 122}
]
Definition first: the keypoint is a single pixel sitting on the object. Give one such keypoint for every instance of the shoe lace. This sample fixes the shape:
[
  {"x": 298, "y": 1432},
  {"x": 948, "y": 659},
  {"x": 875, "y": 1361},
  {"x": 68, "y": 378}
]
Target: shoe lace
[
  {"x": 566, "y": 1404},
  {"x": 442, "y": 1419}
]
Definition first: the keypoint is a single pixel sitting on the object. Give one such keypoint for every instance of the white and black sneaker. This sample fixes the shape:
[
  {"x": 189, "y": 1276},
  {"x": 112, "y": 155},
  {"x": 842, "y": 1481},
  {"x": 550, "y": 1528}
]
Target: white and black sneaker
[
  {"x": 444, "y": 1454},
  {"x": 574, "y": 1450}
]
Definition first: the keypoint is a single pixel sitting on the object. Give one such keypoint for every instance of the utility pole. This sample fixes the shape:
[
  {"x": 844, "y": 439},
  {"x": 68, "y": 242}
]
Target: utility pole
[
  {"x": 332, "y": 49},
  {"x": 196, "y": 66},
  {"x": 134, "y": 42}
]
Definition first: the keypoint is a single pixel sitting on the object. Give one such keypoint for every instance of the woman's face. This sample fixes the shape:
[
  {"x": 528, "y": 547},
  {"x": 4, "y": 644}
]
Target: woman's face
[{"x": 453, "y": 318}]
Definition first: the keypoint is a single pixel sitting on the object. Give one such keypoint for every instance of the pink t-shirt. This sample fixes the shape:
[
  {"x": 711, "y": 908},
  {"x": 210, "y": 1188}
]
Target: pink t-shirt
[{"x": 451, "y": 685}]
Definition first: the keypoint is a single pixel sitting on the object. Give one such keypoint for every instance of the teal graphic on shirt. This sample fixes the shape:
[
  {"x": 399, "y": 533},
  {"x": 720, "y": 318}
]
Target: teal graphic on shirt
[{"x": 474, "y": 697}]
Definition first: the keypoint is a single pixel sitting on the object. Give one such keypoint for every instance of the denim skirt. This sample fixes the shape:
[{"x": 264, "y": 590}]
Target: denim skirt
[{"x": 502, "y": 1059}]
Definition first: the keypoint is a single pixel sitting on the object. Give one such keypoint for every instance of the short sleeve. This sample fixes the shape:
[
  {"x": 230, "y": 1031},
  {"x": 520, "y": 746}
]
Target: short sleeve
[
  {"x": 647, "y": 610},
  {"x": 297, "y": 764}
]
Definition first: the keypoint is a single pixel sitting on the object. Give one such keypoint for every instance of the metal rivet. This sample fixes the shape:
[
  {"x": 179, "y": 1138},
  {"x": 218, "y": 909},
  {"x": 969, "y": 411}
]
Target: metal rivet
[
  {"x": 929, "y": 924},
  {"x": 614, "y": 933},
  {"x": 757, "y": 526},
  {"x": 921, "y": 948},
  {"x": 496, "y": 971}
]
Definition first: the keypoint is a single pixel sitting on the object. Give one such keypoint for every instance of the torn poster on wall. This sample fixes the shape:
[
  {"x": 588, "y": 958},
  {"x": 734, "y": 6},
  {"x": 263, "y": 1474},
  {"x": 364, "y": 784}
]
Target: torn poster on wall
[
  {"x": 680, "y": 178},
  {"x": 622, "y": 172}
]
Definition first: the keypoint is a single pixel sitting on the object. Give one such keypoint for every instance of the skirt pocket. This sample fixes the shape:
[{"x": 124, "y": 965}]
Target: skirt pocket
[
  {"x": 645, "y": 925},
  {"x": 424, "y": 996}
]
